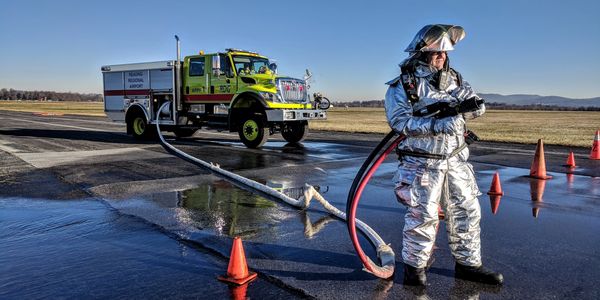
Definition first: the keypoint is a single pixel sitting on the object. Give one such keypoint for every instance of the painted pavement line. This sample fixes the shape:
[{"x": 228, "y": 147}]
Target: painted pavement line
[
  {"x": 93, "y": 121},
  {"x": 59, "y": 125},
  {"x": 51, "y": 159},
  {"x": 5, "y": 147}
]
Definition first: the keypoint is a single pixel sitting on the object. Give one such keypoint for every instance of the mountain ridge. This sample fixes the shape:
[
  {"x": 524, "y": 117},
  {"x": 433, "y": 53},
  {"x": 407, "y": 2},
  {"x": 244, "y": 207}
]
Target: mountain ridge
[{"x": 531, "y": 99}]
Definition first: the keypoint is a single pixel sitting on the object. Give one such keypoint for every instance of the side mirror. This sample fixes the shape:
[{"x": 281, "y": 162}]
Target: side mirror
[{"x": 273, "y": 67}]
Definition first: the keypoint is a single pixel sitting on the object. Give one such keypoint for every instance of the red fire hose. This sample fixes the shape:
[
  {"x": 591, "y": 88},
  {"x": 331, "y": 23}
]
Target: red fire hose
[{"x": 358, "y": 185}]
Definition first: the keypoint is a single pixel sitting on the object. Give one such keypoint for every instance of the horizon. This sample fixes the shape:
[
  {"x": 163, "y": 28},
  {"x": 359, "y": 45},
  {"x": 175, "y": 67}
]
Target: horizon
[
  {"x": 62, "y": 45},
  {"x": 351, "y": 100}
]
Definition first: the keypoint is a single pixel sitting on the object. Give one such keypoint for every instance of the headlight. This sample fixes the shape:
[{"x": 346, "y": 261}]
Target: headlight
[
  {"x": 290, "y": 115},
  {"x": 271, "y": 97}
]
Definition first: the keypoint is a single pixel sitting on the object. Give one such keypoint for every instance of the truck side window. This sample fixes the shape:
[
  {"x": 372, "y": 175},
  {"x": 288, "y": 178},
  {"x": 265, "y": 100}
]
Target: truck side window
[
  {"x": 226, "y": 66},
  {"x": 197, "y": 66}
]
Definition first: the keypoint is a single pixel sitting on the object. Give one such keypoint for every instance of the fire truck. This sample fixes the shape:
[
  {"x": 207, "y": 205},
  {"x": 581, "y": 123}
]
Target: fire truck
[{"x": 235, "y": 90}]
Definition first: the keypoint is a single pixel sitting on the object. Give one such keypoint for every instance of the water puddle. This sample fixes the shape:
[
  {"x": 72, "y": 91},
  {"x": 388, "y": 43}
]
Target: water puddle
[{"x": 222, "y": 209}]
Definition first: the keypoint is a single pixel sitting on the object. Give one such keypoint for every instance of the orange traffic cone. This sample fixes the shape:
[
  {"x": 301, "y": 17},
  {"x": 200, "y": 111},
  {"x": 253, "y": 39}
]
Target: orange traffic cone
[
  {"x": 237, "y": 271},
  {"x": 495, "y": 203},
  {"x": 496, "y": 189},
  {"x": 571, "y": 160},
  {"x": 596, "y": 146},
  {"x": 538, "y": 167}
]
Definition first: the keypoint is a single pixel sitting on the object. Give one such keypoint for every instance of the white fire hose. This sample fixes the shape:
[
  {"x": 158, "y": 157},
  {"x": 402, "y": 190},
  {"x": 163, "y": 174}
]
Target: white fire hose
[{"x": 384, "y": 252}]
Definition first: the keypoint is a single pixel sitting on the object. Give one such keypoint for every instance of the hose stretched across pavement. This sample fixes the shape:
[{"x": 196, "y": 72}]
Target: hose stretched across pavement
[{"x": 384, "y": 252}]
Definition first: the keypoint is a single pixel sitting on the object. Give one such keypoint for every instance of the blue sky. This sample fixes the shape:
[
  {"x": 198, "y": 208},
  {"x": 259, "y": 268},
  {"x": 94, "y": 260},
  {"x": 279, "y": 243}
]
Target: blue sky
[{"x": 352, "y": 47}]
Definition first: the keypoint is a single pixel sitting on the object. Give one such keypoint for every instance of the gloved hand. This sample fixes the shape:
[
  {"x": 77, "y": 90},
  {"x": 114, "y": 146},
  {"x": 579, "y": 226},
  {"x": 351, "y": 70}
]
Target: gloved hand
[{"x": 454, "y": 125}]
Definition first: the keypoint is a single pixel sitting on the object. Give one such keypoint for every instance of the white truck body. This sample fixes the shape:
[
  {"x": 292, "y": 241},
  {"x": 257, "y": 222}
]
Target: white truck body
[{"x": 129, "y": 85}]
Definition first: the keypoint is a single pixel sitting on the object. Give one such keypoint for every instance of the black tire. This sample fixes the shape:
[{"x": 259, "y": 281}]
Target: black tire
[
  {"x": 139, "y": 127},
  {"x": 253, "y": 131},
  {"x": 294, "y": 132},
  {"x": 184, "y": 132}
]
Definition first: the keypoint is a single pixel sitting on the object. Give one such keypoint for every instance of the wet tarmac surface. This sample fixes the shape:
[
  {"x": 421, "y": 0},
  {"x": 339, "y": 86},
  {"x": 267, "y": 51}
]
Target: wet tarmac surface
[
  {"x": 542, "y": 235},
  {"x": 73, "y": 249}
]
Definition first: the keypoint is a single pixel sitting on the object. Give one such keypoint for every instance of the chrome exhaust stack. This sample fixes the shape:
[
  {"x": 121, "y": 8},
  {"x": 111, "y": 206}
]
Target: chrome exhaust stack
[
  {"x": 178, "y": 88},
  {"x": 178, "y": 50}
]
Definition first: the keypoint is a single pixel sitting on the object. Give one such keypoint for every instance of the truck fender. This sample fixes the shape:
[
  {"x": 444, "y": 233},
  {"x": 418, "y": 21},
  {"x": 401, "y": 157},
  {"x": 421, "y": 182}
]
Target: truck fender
[{"x": 243, "y": 103}]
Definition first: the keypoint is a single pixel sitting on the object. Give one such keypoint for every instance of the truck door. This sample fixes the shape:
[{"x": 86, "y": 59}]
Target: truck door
[
  {"x": 197, "y": 79},
  {"x": 222, "y": 82}
]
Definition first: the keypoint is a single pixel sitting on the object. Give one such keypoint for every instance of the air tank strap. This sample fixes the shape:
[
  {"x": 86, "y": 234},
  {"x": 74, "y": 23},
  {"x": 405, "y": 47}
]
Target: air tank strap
[
  {"x": 409, "y": 83},
  {"x": 402, "y": 152}
]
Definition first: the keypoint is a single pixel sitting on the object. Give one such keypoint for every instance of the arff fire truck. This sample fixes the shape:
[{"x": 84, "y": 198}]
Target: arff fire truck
[{"x": 234, "y": 90}]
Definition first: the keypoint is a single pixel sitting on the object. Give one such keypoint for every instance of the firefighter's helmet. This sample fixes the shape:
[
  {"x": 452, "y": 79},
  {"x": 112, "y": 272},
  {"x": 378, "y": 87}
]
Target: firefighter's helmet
[{"x": 436, "y": 37}]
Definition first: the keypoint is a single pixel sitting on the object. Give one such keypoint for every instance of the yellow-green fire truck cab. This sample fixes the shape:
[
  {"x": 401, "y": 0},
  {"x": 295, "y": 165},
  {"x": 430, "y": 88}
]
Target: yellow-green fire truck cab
[{"x": 241, "y": 91}]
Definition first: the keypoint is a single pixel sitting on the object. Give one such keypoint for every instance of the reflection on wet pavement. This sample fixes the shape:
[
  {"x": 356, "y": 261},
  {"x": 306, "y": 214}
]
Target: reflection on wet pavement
[
  {"x": 229, "y": 210},
  {"x": 310, "y": 228},
  {"x": 537, "y": 187},
  {"x": 495, "y": 203},
  {"x": 570, "y": 179}
]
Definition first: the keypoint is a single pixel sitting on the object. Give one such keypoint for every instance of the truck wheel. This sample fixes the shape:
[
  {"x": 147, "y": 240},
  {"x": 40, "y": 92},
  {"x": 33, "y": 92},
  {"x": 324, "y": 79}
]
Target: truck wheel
[
  {"x": 294, "y": 132},
  {"x": 184, "y": 132},
  {"x": 139, "y": 127},
  {"x": 253, "y": 131}
]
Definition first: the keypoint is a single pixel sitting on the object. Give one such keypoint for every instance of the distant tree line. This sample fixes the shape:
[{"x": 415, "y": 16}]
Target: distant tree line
[
  {"x": 367, "y": 103},
  {"x": 490, "y": 105},
  {"x": 12, "y": 94}
]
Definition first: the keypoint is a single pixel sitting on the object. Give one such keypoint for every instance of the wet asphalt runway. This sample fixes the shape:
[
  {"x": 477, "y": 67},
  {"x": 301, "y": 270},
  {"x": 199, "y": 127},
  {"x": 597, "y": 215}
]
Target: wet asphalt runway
[{"x": 542, "y": 234}]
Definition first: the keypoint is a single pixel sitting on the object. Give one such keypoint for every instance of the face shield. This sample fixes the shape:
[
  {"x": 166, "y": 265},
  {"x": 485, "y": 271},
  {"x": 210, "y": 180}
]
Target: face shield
[{"x": 436, "y": 37}]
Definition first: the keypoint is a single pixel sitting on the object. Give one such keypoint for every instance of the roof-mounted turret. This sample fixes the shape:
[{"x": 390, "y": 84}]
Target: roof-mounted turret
[{"x": 240, "y": 50}]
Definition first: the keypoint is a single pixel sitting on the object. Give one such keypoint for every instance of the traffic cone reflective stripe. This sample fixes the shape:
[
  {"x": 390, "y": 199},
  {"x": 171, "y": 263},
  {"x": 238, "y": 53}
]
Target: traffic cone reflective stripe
[
  {"x": 538, "y": 166},
  {"x": 595, "y": 154},
  {"x": 496, "y": 189},
  {"x": 571, "y": 160},
  {"x": 237, "y": 271}
]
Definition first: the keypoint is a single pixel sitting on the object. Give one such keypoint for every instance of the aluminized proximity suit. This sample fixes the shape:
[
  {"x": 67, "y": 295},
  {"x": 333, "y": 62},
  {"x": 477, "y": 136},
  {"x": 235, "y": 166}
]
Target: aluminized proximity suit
[{"x": 424, "y": 183}]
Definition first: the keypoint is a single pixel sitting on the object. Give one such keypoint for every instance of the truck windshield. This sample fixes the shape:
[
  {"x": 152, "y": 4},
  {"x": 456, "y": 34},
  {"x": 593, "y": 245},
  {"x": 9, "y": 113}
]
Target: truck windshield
[{"x": 247, "y": 65}]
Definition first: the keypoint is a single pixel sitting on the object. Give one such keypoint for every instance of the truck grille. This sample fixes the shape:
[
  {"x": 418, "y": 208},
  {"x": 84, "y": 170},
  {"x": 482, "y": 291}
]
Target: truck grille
[{"x": 292, "y": 90}]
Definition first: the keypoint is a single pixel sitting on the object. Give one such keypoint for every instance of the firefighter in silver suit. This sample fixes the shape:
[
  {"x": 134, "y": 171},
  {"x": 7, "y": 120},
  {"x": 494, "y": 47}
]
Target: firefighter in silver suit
[{"x": 433, "y": 169}]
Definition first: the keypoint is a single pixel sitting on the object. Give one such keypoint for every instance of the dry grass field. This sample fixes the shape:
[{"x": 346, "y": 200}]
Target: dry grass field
[
  {"x": 74, "y": 108},
  {"x": 570, "y": 128}
]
